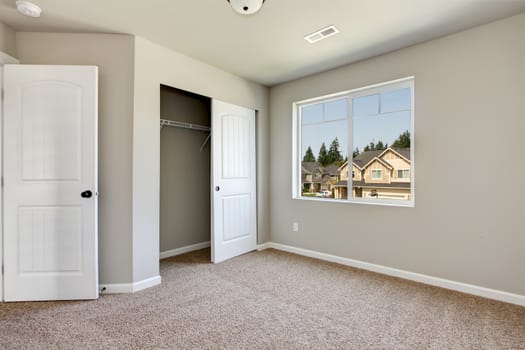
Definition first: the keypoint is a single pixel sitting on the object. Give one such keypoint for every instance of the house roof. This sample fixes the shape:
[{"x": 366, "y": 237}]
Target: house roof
[
  {"x": 365, "y": 157},
  {"x": 309, "y": 167},
  {"x": 331, "y": 169},
  {"x": 363, "y": 184}
]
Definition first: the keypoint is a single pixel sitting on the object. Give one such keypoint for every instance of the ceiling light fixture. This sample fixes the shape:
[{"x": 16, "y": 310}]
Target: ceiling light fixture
[
  {"x": 28, "y": 8},
  {"x": 246, "y": 7}
]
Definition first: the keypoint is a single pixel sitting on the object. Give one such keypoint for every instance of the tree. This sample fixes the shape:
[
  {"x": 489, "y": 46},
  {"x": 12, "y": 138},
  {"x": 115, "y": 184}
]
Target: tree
[
  {"x": 309, "y": 155},
  {"x": 379, "y": 146},
  {"x": 323, "y": 155},
  {"x": 403, "y": 141},
  {"x": 356, "y": 152},
  {"x": 334, "y": 156}
]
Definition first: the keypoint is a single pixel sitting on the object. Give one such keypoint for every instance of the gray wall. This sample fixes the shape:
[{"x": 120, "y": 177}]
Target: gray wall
[
  {"x": 155, "y": 65},
  {"x": 468, "y": 221},
  {"x": 7, "y": 40},
  {"x": 184, "y": 172},
  {"x": 113, "y": 54}
]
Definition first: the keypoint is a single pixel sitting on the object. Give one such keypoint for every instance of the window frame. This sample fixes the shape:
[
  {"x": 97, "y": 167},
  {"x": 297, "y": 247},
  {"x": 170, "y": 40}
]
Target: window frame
[{"x": 392, "y": 85}]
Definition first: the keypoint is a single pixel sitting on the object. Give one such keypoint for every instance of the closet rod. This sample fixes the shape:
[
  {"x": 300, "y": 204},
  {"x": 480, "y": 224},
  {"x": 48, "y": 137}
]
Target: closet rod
[{"x": 183, "y": 125}]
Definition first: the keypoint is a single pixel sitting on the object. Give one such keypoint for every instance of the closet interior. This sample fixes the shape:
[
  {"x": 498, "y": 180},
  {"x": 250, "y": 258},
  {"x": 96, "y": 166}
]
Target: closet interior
[{"x": 185, "y": 133}]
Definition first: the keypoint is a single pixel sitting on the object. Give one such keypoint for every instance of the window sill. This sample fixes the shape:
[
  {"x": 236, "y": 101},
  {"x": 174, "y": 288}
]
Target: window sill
[{"x": 383, "y": 202}]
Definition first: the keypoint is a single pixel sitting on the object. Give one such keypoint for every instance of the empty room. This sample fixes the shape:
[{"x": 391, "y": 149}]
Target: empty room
[{"x": 262, "y": 174}]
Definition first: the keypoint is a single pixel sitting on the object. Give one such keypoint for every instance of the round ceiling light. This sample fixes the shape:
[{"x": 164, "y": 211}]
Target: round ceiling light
[
  {"x": 246, "y": 7},
  {"x": 28, "y": 8}
]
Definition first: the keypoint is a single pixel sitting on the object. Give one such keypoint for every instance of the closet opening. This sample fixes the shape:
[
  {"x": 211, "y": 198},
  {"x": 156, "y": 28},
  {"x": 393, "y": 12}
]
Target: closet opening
[{"x": 185, "y": 144}]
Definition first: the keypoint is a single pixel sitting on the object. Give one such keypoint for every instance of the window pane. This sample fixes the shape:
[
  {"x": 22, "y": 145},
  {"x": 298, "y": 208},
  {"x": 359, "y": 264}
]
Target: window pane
[
  {"x": 336, "y": 110},
  {"x": 312, "y": 114},
  {"x": 324, "y": 147},
  {"x": 365, "y": 106},
  {"x": 381, "y": 144},
  {"x": 397, "y": 100}
]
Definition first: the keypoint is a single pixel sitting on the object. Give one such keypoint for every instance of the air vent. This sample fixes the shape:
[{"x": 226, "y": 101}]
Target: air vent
[{"x": 321, "y": 34}]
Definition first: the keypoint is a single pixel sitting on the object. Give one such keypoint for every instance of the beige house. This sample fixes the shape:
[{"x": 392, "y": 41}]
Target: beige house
[
  {"x": 316, "y": 178},
  {"x": 377, "y": 174}
]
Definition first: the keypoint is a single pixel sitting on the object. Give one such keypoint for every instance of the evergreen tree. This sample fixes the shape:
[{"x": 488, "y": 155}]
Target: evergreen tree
[
  {"x": 370, "y": 147},
  {"x": 334, "y": 156},
  {"x": 380, "y": 146},
  {"x": 355, "y": 153},
  {"x": 403, "y": 141},
  {"x": 309, "y": 155},
  {"x": 323, "y": 155}
]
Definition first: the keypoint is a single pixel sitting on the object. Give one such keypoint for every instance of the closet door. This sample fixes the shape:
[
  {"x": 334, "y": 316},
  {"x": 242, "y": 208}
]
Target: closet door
[
  {"x": 234, "y": 212},
  {"x": 50, "y": 182}
]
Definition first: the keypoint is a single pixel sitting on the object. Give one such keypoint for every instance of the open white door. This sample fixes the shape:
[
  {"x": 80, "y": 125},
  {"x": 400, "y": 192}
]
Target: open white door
[
  {"x": 234, "y": 212},
  {"x": 4, "y": 59},
  {"x": 50, "y": 182}
]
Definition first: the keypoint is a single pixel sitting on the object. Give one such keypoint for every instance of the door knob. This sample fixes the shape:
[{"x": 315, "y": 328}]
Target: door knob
[
  {"x": 86, "y": 194},
  {"x": 217, "y": 188}
]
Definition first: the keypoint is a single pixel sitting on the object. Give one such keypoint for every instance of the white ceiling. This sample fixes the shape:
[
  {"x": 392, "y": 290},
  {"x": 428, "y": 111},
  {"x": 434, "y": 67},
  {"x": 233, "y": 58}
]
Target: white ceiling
[{"x": 268, "y": 47}]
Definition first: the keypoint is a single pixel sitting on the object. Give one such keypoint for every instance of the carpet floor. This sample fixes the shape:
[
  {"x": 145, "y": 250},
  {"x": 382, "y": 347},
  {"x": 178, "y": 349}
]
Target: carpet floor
[{"x": 267, "y": 300}]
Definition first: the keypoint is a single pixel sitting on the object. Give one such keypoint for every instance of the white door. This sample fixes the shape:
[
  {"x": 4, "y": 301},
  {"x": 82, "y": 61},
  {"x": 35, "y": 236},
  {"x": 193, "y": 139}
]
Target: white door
[
  {"x": 50, "y": 182},
  {"x": 4, "y": 59},
  {"x": 234, "y": 211}
]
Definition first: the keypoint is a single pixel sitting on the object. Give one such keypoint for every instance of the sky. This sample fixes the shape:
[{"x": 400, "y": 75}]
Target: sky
[{"x": 375, "y": 117}]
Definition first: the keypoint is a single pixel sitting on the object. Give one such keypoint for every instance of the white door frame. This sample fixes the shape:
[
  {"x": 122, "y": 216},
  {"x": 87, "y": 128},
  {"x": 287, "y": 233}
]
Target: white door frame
[{"x": 4, "y": 59}]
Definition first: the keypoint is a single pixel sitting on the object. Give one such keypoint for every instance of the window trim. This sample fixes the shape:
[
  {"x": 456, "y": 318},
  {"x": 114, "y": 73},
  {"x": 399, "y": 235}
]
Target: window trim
[{"x": 407, "y": 82}]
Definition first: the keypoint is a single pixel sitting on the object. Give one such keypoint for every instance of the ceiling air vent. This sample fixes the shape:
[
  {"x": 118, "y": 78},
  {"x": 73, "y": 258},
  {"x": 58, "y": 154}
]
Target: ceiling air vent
[{"x": 321, "y": 34}]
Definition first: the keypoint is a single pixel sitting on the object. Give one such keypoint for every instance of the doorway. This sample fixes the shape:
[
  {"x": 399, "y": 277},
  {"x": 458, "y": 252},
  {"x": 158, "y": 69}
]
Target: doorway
[
  {"x": 184, "y": 171},
  {"x": 208, "y": 194}
]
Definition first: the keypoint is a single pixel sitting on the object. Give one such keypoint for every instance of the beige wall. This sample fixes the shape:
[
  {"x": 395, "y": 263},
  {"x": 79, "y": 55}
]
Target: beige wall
[
  {"x": 469, "y": 105},
  {"x": 7, "y": 40},
  {"x": 155, "y": 65},
  {"x": 184, "y": 172},
  {"x": 113, "y": 54}
]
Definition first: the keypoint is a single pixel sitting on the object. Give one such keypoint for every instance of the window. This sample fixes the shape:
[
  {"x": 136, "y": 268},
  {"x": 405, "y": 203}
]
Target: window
[
  {"x": 360, "y": 142},
  {"x": 377, "y": 174},
  {"x": 403, "y": 173}
]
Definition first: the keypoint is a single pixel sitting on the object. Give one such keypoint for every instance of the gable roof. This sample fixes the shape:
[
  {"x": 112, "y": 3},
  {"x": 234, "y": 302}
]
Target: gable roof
[
  {"x": 403, "y": 152},
  {"x": 331, "y": 169},
  {"x": 365, "y": 157},
  {"x": 309, "y": 167}
]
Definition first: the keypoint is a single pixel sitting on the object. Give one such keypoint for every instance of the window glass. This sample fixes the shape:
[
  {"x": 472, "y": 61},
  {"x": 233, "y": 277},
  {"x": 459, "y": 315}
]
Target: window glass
[{"x": 357, "y": 146}]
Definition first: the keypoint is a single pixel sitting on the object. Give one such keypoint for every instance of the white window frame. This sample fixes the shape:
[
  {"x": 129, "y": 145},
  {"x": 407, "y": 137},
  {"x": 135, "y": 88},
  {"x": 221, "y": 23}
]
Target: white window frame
[{"x": 408, "y": 82}]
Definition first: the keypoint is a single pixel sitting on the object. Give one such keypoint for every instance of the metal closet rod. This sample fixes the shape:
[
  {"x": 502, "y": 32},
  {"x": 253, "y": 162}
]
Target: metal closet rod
[
  {"x": 187, "y": 126},
  {"x": 184, "y": 125}
]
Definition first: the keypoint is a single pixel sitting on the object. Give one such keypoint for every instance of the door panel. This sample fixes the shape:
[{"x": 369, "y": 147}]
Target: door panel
[
  {"x": 234, "y": 230},
  {"x": 50, "y": 158}
]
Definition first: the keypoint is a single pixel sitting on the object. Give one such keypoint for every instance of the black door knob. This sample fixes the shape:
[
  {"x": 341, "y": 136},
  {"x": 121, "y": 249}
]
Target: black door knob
[
  {"x": 217, "y": 188},
  {"x": 86, "y": 194}
]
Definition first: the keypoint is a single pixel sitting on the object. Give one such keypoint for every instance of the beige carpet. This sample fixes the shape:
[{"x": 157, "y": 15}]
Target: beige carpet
[{"x": 267, "y": 300}]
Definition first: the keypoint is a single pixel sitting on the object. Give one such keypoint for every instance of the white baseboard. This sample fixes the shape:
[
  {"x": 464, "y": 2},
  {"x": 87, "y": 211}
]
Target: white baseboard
[
  {"x": 119, "y": 288},
  {"x": 413, "y": 276},
  {"x": 264, "y": 246},
  {"x": 182, "y": 250}
]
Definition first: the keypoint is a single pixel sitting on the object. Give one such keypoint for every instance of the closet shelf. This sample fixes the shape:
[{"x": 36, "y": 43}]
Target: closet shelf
[
  {"x": 187, "y": 126},
  {"x": 166, "y": 122}
]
